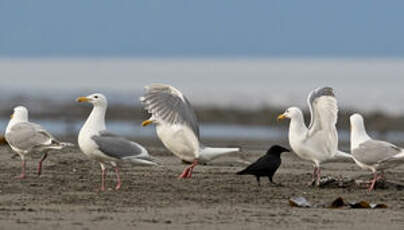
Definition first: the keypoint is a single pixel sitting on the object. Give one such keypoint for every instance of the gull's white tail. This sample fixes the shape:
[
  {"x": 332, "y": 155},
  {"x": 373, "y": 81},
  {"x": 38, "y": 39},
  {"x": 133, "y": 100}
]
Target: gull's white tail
[
  {"x": 399, "y": 156},
  {"x": 343, "y": 155},
  {"x": 207, "y": 153},
  {"x": 393, "y": 161},
  {"x": 56, "y": 145},
  {"x": 340, "y": 156}
]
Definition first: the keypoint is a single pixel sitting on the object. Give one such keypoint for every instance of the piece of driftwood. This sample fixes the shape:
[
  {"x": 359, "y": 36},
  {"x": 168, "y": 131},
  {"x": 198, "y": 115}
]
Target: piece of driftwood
[
  {"x": 348, "y": 182},
  {"x": 341, "y": 203},
  {"x": 338, "y": 203},
  {"x": 299, "y": 202}
]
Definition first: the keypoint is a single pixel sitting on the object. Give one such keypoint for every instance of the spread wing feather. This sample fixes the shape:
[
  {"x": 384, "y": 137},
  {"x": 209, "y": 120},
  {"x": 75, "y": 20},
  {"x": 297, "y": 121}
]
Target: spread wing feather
[
  {"x": 168, "y": 104},
  {"x": 323, "y": 110}
]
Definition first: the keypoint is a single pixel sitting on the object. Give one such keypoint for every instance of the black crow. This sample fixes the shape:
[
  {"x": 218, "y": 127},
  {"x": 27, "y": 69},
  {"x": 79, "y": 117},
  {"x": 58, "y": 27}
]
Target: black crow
[{"x": 266, "y": 165}]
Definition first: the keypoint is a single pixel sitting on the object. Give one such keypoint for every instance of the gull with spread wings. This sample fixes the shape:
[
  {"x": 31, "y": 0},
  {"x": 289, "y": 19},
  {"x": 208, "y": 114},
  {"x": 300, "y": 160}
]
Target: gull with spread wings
[
  {"x": 318, "y": 142},
  {"x": 177, "y": 126}
]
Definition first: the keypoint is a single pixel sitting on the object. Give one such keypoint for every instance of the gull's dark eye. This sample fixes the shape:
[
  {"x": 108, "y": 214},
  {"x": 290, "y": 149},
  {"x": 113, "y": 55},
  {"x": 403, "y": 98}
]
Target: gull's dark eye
[{"x": 95, "y": 97}]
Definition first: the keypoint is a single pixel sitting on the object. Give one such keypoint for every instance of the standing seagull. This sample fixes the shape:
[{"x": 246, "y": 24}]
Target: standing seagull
[
  {"x": 372, "y": 154},
  {"x": 319, "y": 142},
  {"x": 99, "y": 144},
  {"x": 266, "y": 165},
  {"x": 25, "y": 137},
  {"x": 177, "y": 125}
]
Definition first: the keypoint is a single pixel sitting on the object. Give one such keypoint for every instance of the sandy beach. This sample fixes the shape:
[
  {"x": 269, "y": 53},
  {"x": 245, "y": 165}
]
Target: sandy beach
[
  {"x": 66, "y": 196},
  {"x": 202, "y": 74}
]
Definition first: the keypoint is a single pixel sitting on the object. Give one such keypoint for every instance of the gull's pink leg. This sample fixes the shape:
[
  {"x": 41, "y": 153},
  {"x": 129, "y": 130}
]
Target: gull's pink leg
[
  {"x": 192, "y": 168},
  {"x": 102, "y": 179},
  {"x": 118, "y": 178},
  {"x": 375, "y": 179},
  {"x": 313, "y": 178},
  {"x": 187, "y": 173},
  {"x": 40, "y": 163},
  {"x": 373, "y": 182},
  {"x": 184, "y": 174},
  {"x": 318, "y": 176},
  {"x": 22, "y": 176}
]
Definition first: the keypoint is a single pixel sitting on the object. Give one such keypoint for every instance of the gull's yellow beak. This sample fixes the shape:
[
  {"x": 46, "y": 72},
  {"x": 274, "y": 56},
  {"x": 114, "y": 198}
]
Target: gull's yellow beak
[
  {"x": 82, "y": 99},
  {"x": 281, "y": 117},
  {"x": 146, "y": 122},
  {"x": 12, "y": 115}
]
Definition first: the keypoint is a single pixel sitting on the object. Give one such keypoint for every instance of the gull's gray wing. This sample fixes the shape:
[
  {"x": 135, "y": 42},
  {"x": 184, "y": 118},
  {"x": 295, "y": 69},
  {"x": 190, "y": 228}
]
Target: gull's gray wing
[
  {"x": 168, "y": 104},
  {"x": 314, "y": 101},
  {"x": 119, "y": 147},
  {"x": 28, "y": 135},
  {"x": 372, "y": 151},
  {"x": 324, "y": 112}
]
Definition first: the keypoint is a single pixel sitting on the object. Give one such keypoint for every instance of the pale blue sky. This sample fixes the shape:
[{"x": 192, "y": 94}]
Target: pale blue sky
[{"x": 161, "y": 28}]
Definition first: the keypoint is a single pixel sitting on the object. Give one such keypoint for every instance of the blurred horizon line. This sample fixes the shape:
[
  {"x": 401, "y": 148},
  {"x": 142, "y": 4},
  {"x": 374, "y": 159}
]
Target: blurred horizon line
[
  {"x": 200, "y": 57},
  {"x": 367, "y": 83}
]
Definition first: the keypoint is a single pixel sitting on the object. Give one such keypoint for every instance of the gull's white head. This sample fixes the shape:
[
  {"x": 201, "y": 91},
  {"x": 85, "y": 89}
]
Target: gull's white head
[
  {"x": 357, "y": 122},
  {"x": 20, "y": 114},
  {"x": 97, "y": 99},
  {"x": 291, "y": 113},
  {"x": 358, "y": 131}
]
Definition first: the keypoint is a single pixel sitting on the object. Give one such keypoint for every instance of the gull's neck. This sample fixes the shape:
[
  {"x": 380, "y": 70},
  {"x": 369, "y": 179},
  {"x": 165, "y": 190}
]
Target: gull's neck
[
  {"x": 96, "y": 120},
  {"x": 297, "y": 126},
  {"x": 358, "y": 135}
]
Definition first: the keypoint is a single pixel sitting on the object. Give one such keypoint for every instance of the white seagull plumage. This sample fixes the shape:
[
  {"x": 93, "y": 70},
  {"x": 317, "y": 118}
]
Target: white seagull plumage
[
  {"x": 370, "y": 154},
  {"x": 105, "y": 147},
  {"x": 177, "y": 126},
  {"x": 318, "y": 142},
  {"x": 25, "y": 137}
]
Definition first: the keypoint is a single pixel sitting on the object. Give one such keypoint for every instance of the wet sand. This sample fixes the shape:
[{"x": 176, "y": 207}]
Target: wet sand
[{"x": 66, "y": 197}]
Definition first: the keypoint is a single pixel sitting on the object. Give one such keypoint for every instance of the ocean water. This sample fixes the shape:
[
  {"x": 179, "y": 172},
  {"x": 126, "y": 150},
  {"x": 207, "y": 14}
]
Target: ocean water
[
  {"x": 133, "y": 129},
  {"x": 363, "y": 84},
  {"x": 208, "y": 131}
]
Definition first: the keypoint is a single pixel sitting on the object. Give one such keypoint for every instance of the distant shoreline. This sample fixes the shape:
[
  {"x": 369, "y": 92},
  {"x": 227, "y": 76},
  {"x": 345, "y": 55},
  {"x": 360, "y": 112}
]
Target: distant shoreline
[
  {"x": 367, "y": 84},
  {"x": 265, "y": 116}
]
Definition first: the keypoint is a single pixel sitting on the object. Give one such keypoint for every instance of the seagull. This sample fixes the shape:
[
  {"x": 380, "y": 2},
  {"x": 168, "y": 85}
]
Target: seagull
[
  {"x": 267, "y": 165},
  {"x": 105, "y": 147},
  {"x": 372, "y": 154},
  {"x": 318, "y": 142},
  {"x": 25, "y": 137},
  {"x": 177, "y": 126}
]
